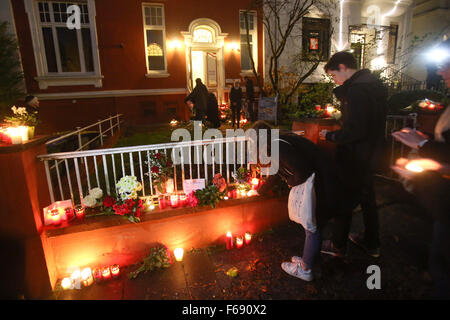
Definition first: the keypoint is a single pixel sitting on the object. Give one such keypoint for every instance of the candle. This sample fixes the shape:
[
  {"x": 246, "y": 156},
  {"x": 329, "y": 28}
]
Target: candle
[
  {"x": 66, "y": 283},
  {"x": 183, "y": 199},
  {"x": 318, "y": 107},
  {"x": 14, "y": 134},
  {"x": 248, "y": 237},
  {"x": 69, "y": 213},
  {"x": 98, "y": 275},
  {"x": 230, "y": 194},
  {"x": 106, "y": 273},
  {"x": 229, "y": 240},
  {"x": 162, "y": 202},
  {"x": 239, "y": 242},
  {"x": 152, "y": 207},
  {"x": 178, "y": 252},
  {"x": 115, "y": 271},
  {"x": 86, "y": 277},
  {"x": 225, "y": 198},
  {"x": 55, "y": 217},
  {"x": 174, "y": 200},
  {"x": 255, "y": 183},
  {"x": 243, "y": 193},
  {"x": 235, "y": 194},
  {"x": 79, "y": 211},
  {"x": 23, "y": 131},
  {"x": 75, "y": 278}
]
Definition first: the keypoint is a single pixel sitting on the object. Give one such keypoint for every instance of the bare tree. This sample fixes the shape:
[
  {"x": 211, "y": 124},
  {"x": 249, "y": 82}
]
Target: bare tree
[{"x": 281, "y": 20}]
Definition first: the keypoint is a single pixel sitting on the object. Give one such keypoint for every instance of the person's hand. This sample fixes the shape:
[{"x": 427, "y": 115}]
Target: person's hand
[
  {"x": 410, "y": 137},
  {"x": 323, "y": 134},
  {"x": 407, "y": 169}
]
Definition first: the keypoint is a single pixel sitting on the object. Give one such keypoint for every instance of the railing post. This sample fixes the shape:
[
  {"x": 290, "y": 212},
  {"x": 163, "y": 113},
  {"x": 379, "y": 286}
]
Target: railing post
[
  {"x": 80, "y": 146},
  {"x": 111, "y": 125},
  {"x": 100, "y": 131}
]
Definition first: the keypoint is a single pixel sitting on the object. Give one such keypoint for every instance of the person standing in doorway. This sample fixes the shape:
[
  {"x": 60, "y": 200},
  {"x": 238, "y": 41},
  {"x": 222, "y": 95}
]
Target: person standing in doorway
[
  {"x": 236, "y": 102},
  {"x": 359, "y": 145},
  {"x": 199, "y": 97}
]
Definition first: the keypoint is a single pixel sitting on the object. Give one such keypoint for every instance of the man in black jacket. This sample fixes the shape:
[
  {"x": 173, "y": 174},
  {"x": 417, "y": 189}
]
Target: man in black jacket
[
  {"x": 359, "y": 148},
  {"x": 199, "y": 96}
]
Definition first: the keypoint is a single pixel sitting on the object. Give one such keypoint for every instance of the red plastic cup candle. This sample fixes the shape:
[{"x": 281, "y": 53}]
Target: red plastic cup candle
[
  {"x": 239, "y": 242},
  {"x": 98, "y": 276},
  {"x": 79, "y": 212},
  {"x": 115, "y": 271},
  {"x": 106, "y": 273},
  {"x": 230, "y": 194},
  {"x": 182, "y": 200},
  {"x": 55, "y": 217},
  {"x": 235, "y": 194},
  {"x": 86, "y": 277},
  {"x": 318, "y": 107},
  {"x": 174, "y": 200},
  {"x": 162, "y": 202},
  {"x": 229, "y": 240},
  {"x": 248, "y": 237},
  {"x": 69, "y": 213}
]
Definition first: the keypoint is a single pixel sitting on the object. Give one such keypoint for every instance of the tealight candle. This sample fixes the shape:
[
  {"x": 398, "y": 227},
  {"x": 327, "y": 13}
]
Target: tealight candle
[
  {"x": 255, "y": 183},
  {"x": 115, "y": 271},
  {"x": 178, "y": 252},
  {"x": 98, "y": 275},
  {"x": 239, "y": 242},
  {"x": 174, "y": 200},
  {"x": 66, "y": 283},
  {"x": 55, "y": 217},
  {"x": 229, "y": 240},
  {"x": 86, "y": 277},
  {"x": 106, "y": 273},
  {"x": 79, "y": 212},
  {"x": 248, "y": 237}
]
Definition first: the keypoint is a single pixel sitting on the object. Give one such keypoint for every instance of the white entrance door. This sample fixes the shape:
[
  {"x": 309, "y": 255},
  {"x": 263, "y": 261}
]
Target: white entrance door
[{"x": 204, "y": 66}]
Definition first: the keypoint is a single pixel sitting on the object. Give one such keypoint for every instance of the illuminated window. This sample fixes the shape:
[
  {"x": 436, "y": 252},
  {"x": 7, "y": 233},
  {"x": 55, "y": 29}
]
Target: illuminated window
[
  {"x": 154, "y": 28},
  {"x": 154, "y": 50},
  {"x": 203, "y": 35},
  {"x": 252, "y": 44}
]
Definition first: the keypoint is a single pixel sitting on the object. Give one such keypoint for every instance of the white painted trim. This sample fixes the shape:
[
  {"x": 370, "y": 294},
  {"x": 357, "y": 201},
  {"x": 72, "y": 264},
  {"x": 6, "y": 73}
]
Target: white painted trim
[
  {"x": 110, "y": 93},
  {"x": 69, "y": 80},
  {"x": 157, "y": 74}
]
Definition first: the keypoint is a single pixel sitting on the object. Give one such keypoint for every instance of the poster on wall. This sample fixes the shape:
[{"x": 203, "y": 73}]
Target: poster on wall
[{"x": 267, "y": 109}]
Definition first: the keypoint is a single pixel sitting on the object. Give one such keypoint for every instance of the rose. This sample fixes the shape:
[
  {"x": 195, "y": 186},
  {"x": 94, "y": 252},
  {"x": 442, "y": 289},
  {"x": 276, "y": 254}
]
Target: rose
[
  {"x": 97, "y": 193},
  {"x": 158, "y": 155},
  {"x": 155, "y": 169},
  {"x": 109, "y": 201},
  {"x": 121, "y": 209}
]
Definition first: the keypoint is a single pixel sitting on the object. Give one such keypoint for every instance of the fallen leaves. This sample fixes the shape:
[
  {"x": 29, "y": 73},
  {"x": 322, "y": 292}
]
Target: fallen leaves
[{"x": 232, "y": 272}]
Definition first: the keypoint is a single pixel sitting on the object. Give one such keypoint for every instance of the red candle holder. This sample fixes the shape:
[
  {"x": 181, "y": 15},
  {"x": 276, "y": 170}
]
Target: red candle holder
[
  {"x": 174, "y": 200},
  {"x": 255, "y": 183},
  {"x": 115, "y": 271},
  {"x": 229, "y": 241},
  {"x": 106, "y": 273},
  {"x": 98, "y": 276},
  {"x": 239, "y": 242},
  {"x": 79, "y": 212},
  {"x": 55, "y": 217},
  {"x": 162, "y": 202},
  {"x": 69, "y": 213},
  {"x": 235, "y": 194},
  {"x": 183, "y": 200},
  {"x": 230, "y": 194},
  {"x": 248, "y": 238}
]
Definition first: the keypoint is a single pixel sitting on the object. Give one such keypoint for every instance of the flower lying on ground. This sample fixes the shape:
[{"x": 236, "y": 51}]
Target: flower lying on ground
[
  {"x": 89, "y": 201},
  {"x": 127, "y": 187}
]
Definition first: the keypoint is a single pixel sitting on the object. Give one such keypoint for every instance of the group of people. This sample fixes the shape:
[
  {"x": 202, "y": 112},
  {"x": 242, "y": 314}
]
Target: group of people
[
  {"x": 342, "y": 183},
  {"x": 205, "y": 107}
]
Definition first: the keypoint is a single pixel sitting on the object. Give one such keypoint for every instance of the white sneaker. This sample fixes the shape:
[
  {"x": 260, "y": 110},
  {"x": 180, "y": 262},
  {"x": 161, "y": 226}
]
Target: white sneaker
[
  {"x": 296, "y": 259},
  {"x": 294, "y": 269}
]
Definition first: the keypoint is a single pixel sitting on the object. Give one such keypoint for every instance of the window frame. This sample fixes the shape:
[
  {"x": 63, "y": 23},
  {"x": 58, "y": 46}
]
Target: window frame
[
  {"x": 325, "y": 56},
  {"x": 254, "y": 34},
  {"x": 61, "y": 78},
  {"x": 155, "y": 73}
]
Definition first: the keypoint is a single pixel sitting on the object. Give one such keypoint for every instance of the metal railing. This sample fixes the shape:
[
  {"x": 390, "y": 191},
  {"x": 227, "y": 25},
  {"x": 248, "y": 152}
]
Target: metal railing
[
  {"x": 101, "y": 131},
  {"x": 79, "y": 171}
]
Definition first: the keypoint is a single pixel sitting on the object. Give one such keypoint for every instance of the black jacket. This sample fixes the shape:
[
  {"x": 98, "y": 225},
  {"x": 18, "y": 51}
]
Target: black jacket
[
  {"x": 299, "y": 158},
  {"x": 200, "y": 97},
  {"x": 249, "y": 90},
  {"x": 213, "y": 111},
  {"x": 236, "y": 97},
  {"x": 360, "y": 141}
]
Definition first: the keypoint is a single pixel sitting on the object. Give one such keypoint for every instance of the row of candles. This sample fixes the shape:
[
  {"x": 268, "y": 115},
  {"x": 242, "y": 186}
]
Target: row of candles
[
  {"x": 58, "y": 215},
  {"x": 239, "y": 240},
  {"x": 86, "y": 277},
  {"x": 14, "y": 135}
]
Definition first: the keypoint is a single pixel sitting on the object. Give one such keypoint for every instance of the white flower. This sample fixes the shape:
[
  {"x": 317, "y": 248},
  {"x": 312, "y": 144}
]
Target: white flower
[
  {"x": 97, "y": 193},
  {"x": 89, "y": 201}
]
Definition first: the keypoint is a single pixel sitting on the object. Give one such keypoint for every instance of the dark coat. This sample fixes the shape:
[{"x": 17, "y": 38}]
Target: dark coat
[
  {"x": 213, "y": 111},
  {"x": 200, "y": 97},
  {"x": 249, "y": 90},
  {"x": 360, "y": 141},
  {"x": 236, "y": 97},
  {"x": 298, "y": 161}
]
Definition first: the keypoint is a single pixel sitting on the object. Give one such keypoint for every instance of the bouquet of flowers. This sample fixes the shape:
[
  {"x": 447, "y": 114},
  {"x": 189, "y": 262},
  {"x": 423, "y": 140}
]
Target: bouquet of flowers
[
  {"x": 93, "y": 199},
  {"x": 242, "y": 175},
  {"x": 219, "y": 182},
  {"x": 161, "y": 169},
  {"x": 127, "y": 205},
  {"x": 21, "y": 117}
]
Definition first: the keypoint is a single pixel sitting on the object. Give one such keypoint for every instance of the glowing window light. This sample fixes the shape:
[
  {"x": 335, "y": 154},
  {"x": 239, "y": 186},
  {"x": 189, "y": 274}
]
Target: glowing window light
[
  {"x": 202, "y": 35},
  {"x": 154, "y": 50}
]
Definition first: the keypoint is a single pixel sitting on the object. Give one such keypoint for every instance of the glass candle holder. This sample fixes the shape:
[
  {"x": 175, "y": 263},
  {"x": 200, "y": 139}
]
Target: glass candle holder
[
  {"x": 79, "y": 212},
  {"x": 174, "y": 200},
  {"x": 66, "y": 283},
  {"x": 115, "y": 271},
  {"x": 162, "y": 202},
  {"x": 98, "y": 276},
  {"x": 248, "y": 237},
  {"x": 239, "y": 242},
  {"x": 86, "y": 277},
  {"x": 178, "y": 252},
  {"x": 55, "y": 217},
  {"x": 106, "y": 273},
  {"x": 229, "y": 240}
]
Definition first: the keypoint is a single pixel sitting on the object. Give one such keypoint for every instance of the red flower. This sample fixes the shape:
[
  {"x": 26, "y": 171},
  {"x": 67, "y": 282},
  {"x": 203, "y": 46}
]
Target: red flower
[
  {"x": 155, "y": 169},
  {"x": 121, "y": 209},
  {"x": 129, "y": 203},
  {"x": 158, "y": 155},
  {"x": 138, "y": 212},
  {"x": 109, "y": 201}
]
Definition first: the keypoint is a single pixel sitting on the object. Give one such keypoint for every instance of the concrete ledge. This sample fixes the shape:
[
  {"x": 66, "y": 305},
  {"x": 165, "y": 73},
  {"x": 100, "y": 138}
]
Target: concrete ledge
[{"x": 101, "y": 241}]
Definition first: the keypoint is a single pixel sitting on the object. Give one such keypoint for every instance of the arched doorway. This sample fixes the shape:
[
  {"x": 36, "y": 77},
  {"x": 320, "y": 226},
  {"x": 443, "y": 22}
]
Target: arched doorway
[{"x": 204, "y": 55}]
